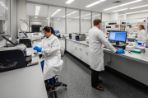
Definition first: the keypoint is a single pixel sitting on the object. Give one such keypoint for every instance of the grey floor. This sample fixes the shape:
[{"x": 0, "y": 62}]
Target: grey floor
[{"x": 77, "y": 76}]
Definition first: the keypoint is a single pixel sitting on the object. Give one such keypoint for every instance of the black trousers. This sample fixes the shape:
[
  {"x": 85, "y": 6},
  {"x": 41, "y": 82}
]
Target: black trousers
[{"x": 95, "y": 78}]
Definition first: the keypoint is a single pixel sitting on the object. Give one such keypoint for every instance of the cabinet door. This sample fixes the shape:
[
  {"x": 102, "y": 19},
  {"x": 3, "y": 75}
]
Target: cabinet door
[
  {"x": 77, "y": 51},
  {"x": 62, "y": 43},
  {"x": 69, "y": 46},
  {"x": 85, "y": 54}
]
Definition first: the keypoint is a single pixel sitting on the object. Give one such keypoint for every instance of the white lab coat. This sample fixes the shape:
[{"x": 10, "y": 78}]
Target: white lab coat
[
  {"x": 96, "y": 42},
  {"x": 142, "y": 36},
  {"x": 51, "y": 56}
]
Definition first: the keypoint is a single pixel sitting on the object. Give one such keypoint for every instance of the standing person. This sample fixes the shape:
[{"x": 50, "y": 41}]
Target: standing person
[
  {"x": 96, "y": 42},
  {"x": 142, "y": 34},
  {"x": 50, "y": 48}
]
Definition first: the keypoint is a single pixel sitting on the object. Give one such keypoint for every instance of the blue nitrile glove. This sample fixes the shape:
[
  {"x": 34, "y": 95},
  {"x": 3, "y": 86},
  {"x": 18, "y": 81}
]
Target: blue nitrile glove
[
  {"x": 38, "y": 49},
  {"x": 120, "y": 51}
]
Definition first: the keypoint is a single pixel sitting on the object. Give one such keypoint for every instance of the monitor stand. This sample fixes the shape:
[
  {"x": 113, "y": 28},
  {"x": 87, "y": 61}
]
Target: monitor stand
[{"x": 118, "y": 45}]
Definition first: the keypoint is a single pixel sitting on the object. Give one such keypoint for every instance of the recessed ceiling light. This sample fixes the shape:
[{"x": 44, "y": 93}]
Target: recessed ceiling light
[
  {"x": 120, "y": 10},
  {"x": 57, "y": 11},
  {"x": 142, "y": 6},
  {"x": 94, "y": 3},
  {"x": 37, "y": 10},
  {"x": 128, "y": 3},
  {"x": 69, "y": 1}
]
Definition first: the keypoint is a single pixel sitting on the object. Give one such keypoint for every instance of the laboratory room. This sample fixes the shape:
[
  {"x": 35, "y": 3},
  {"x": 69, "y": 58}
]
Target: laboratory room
[{"x": 73, "y": 48}]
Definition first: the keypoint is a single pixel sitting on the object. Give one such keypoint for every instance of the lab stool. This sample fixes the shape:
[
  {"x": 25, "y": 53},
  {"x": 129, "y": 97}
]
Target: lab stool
[{"x": 53, "y": 84}]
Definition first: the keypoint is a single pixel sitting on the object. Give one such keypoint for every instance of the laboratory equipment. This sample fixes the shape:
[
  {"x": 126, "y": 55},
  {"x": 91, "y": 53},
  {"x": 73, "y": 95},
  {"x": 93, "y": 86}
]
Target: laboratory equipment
[
  {"x": 81, "y": 37},
  {"x": 70, "y": 36},
  {"x": 118, "y": 38},
  {"x": 13, "y": 58},
  {"x": 138, "y": 51},
  {"x": 26, "y": 42},
  {"x": 12, "y": 43},
  {"x": 78, "y": 37}
]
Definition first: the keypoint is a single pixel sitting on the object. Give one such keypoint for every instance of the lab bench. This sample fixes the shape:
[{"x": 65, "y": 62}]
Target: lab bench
[
  {"x": 132, "y": 65},
  {"x": 25, "y": 82}
]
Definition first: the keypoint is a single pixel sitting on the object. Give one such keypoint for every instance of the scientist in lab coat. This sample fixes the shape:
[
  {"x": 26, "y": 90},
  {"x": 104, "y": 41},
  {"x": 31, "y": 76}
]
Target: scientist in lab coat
[
  {"x": 50, "y": 48},
  {"x": 96, "y": 41},
  {"x": 142, "y": 34}
]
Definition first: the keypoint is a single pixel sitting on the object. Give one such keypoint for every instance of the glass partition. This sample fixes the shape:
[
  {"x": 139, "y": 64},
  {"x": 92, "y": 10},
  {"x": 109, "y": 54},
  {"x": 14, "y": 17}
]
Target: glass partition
[
  {"x": 56, "y": 19},
  {"x": 73, "y": 23},
  {"x": 85, "y": 21},
  {"x": 63, "y": 20},
  {"x": 4, "y": 16},
  {"x": 37, "y": 16}
]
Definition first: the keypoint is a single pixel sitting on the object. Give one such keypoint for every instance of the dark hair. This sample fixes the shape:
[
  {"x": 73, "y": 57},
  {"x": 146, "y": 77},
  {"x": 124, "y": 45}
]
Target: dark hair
[
  {"x": 49, "y": 29},
  {"x": 142, "y": 27},
  {"x": 97, "y": 22}
]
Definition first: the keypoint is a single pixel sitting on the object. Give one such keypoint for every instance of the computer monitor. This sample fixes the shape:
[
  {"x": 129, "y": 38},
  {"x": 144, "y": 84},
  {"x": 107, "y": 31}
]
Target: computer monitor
[
  {"x": 36, "y": 28},
  {"x": 118, "y": 36}
]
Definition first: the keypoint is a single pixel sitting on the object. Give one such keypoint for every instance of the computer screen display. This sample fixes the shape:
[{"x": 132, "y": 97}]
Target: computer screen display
[
  {"x": 36, "y": 28},
  {"x": 118, "y": 36}
]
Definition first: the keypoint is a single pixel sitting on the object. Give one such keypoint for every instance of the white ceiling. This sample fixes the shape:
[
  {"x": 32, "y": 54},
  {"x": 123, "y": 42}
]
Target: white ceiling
[{"x": 82, "y": 3}]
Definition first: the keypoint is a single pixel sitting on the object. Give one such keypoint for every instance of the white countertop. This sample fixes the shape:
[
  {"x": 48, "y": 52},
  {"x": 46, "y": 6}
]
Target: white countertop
[
  {"x": 143, "y": 57},
  {"x": 25, "y": 82}
]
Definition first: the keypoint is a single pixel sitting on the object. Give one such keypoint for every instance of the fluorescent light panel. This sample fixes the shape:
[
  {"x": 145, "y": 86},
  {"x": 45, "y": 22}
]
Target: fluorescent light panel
[
  {"x": 57, "y": 11},
  {"x": 120, "y": 10},
  {"x": 37, "y": 10},
  {"x": 95, "y": 3},
  {"x": 137, "y": 7},
  {"x": 128, "y": 3},
  {"x": 69, "y": 1},
  {"x": 85, "y": 15},
  {"x": 137, "y": 12},
  {"x": 72, "y": 13}
]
